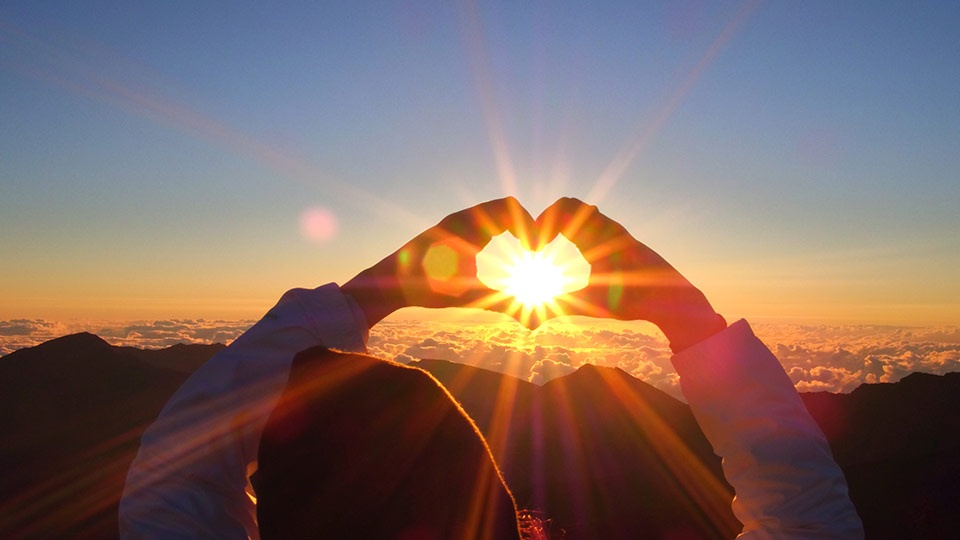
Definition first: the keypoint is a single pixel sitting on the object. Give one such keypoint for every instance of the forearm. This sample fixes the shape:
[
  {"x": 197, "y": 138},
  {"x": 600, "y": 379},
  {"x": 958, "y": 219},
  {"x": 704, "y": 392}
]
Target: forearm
[
  {"x": 685, "y": 317},
  {"x": 191, "y": 470},
  {"x": 786, "y": 482},
  {"x": 376, "y": 291}
]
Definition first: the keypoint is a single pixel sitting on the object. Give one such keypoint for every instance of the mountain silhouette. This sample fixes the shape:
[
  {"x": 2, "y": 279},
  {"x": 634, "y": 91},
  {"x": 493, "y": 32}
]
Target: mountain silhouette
[
  {"x": 598, "y": 452},
  {"x": 71, "y": 416},
  {"x": 899, "y": 447}
]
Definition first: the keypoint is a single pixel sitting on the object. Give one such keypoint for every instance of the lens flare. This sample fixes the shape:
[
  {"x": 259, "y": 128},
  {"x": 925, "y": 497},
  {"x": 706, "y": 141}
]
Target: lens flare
[{"x": 318, "y": 224}]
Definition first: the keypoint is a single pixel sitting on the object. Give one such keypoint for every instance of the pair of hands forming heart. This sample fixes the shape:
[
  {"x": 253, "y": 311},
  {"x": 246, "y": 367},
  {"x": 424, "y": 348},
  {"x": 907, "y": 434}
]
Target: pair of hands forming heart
[{"x": 628, "y": 280}]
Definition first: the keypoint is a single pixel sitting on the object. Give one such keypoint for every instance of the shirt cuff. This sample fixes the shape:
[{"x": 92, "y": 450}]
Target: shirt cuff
[{"x": 332, "y": 317}]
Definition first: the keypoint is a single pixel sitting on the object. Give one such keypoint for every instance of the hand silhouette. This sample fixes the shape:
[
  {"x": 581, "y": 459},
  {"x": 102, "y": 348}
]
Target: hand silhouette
[
  {"x": 438, "y": 268},
  {"x": 628, "y": 280}
]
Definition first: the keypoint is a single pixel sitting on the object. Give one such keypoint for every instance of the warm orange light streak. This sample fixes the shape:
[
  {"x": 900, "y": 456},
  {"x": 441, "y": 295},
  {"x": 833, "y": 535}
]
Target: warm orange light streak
[
  {"x": 633, "y": 147},
  {"x": 37, "y": 510},
  {"x": 85, "y": 493},
  {"x": 572, "y": 450},
  {"x": 496, "y": 427},
  {"x": 704, "y": 491},
  {"x": 497, "y": 432},
  {"x": 498, "y": 435},
  {"x": 217, "y": 418},
  {"x": 480, "y": 68}
]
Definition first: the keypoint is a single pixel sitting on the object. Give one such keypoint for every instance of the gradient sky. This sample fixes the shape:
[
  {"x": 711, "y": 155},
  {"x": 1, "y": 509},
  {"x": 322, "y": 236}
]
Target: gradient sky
[{"x": 798, "y": 161}]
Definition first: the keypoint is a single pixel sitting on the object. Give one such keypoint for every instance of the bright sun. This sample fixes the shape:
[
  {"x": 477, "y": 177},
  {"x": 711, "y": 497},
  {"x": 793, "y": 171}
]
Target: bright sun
[{"x": 533, "y": 278}]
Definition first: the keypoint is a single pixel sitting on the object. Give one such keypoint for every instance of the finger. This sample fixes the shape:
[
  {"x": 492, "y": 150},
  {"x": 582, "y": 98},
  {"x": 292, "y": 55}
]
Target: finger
[
  {"x": 595, "y": 235},
  {"x": 552, "y": 220},
  {"x": 606, "y": 246},
  {"x": 445, "y": 255},
  {"x": 517, "y": 220},
  {"x": 478, "y": 224},
  {"x": 566, "y": 216}
]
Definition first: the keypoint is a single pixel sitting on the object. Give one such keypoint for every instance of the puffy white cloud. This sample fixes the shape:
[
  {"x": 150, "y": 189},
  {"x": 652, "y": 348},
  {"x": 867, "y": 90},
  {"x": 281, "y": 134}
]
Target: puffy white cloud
[
  {"x": 431, "y": 348},
  {"x": 547, "y": 369},
  {"x": 825, "y": 378}
]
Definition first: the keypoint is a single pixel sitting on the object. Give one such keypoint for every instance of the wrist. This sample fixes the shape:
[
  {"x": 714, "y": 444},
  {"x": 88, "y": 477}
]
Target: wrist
[
  {"x": 377, "y": 293},
  {"x": 687, "y": 319},
  {"x": 691, "y": 329}
]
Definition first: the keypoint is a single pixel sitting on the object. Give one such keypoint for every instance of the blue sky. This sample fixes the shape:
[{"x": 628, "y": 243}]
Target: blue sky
[{"x": 797, "y": 161}]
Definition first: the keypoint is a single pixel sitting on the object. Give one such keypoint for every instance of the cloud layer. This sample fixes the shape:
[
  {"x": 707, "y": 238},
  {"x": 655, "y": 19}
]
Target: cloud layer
[
  {"x": 817, "y": 358},
  {"x": 840, "y": 358},
  {"x": 18, "y": 333}
]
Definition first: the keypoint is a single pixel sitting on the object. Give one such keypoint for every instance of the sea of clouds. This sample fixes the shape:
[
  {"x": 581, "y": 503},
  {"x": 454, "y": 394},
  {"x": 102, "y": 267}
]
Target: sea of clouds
[
  {"x": 816, "y": 357},
  {"x": 19, "y": 333}
]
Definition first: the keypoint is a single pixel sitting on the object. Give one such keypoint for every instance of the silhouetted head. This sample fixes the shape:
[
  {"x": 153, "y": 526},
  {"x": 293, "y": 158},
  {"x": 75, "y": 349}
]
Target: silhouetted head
[{"x": 364, "y": 448}]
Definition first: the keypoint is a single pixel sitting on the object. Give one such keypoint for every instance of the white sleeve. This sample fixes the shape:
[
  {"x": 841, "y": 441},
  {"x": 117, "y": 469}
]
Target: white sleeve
[
  {"x": 189, "y": 478},
  {"x": 774, "y": 455}
]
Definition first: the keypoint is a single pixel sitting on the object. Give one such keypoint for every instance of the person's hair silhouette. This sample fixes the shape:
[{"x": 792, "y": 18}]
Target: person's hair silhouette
[{"x": 359, "y": 447}]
